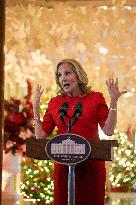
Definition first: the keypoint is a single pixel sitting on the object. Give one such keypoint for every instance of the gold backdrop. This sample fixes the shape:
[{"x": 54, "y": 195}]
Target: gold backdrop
[{"x": 102, "y": 37}]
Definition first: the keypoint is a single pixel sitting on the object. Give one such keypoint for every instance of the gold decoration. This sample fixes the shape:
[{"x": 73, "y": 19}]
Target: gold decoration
[
  {"x": 119, "y": 3},
  {"x": 102, "y": 38}
]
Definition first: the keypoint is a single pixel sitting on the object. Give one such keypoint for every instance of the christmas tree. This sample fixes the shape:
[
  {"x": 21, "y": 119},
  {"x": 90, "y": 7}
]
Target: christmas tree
[
  {"x": 37, "y": 183},
  {"x": 123, "y": 167},
  {"x": 37, "y": 180}
]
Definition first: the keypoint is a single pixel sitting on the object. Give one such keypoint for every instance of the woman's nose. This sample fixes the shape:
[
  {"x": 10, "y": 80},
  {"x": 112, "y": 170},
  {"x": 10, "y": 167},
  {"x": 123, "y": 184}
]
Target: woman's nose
[{"x": 64, "y": 77}]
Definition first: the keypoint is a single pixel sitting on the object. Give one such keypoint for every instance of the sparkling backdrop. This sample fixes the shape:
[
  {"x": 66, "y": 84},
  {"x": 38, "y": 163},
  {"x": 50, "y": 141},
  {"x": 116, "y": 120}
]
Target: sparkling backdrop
[{"x": 102, "y": 38}]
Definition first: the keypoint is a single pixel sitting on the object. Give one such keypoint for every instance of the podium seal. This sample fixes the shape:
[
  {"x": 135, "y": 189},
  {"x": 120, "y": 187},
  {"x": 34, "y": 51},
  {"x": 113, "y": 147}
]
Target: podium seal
[{"x": 68, "y": 148}]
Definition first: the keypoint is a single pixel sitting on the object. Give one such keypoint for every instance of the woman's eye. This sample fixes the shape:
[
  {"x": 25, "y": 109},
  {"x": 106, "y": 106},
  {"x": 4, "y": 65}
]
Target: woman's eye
[
  {"x": 67, "y": 73},
  {"x": 59, "y": 75}
]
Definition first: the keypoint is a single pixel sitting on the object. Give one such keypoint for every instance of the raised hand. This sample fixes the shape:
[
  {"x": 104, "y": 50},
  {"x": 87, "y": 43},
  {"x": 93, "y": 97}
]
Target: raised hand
[
  {"x": 113, "y": 89},
  {"x": 39, "y": 133},
  {"x": 37, "y": 95}
]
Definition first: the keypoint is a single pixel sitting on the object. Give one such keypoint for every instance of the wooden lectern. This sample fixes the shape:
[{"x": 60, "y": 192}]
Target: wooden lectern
[{"x": 101, "y": 149}]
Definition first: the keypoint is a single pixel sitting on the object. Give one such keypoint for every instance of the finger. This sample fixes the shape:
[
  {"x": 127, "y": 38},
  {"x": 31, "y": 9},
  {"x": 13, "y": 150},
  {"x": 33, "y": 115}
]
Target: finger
[
  {"x": 36, "y": 86},
  {"x": 39, "y": 88},
  {"x": 112, "y": 81},
  {"x": 109, "y": 83},
  {"x": 116, "y": 82},
  {"x": 41, "y": 92}
]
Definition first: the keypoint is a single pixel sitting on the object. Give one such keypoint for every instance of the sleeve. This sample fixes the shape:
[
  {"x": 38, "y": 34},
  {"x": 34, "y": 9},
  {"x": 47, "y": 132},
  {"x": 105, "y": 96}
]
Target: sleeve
[
  {"x": 48, "y": 123},
  {"x": 102, "y": 110}
]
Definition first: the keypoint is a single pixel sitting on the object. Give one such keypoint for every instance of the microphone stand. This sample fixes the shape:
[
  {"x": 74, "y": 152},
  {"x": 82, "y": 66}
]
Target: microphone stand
[
  {"x": 71, "y": 175},
  {"x": 71, "y": 184}
]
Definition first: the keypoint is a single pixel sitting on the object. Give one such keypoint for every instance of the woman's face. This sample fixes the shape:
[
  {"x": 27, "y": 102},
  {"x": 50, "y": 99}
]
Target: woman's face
[{"x": 68, "y": 79}]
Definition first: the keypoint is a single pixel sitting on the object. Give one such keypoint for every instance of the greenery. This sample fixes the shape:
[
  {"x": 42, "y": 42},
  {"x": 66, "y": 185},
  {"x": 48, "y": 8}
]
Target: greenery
[
  {"x": 37, "y": 175},
  {"x": 37, "y": 181},
  {"x": 123, "y": 168}
]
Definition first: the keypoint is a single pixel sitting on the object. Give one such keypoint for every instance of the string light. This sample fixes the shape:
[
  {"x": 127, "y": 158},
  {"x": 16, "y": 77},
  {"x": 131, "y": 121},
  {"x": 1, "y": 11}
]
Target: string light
[
  {"x": 123, "y": 168},
  {"x": 40, "y": 184},
  {"x": 101, "y": 37}
]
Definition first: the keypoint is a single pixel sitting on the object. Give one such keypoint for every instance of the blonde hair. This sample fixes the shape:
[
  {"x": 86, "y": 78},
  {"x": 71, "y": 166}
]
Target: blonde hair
[{"x": 80, "y": 73}]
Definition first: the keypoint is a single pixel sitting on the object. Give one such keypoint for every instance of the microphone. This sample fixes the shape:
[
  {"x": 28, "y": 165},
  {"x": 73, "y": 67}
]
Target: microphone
[
  {"x": 63, "y": 111},
  {"x": 77, "y": 112}
]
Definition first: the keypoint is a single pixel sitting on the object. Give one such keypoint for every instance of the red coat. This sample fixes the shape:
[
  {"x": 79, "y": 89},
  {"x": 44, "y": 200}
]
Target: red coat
[{"x": 90, "y": 174}]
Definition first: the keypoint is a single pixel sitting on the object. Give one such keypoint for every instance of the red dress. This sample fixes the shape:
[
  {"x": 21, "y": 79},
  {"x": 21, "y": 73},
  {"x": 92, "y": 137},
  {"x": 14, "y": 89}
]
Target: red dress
[{"x": 90, "y": 174}]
